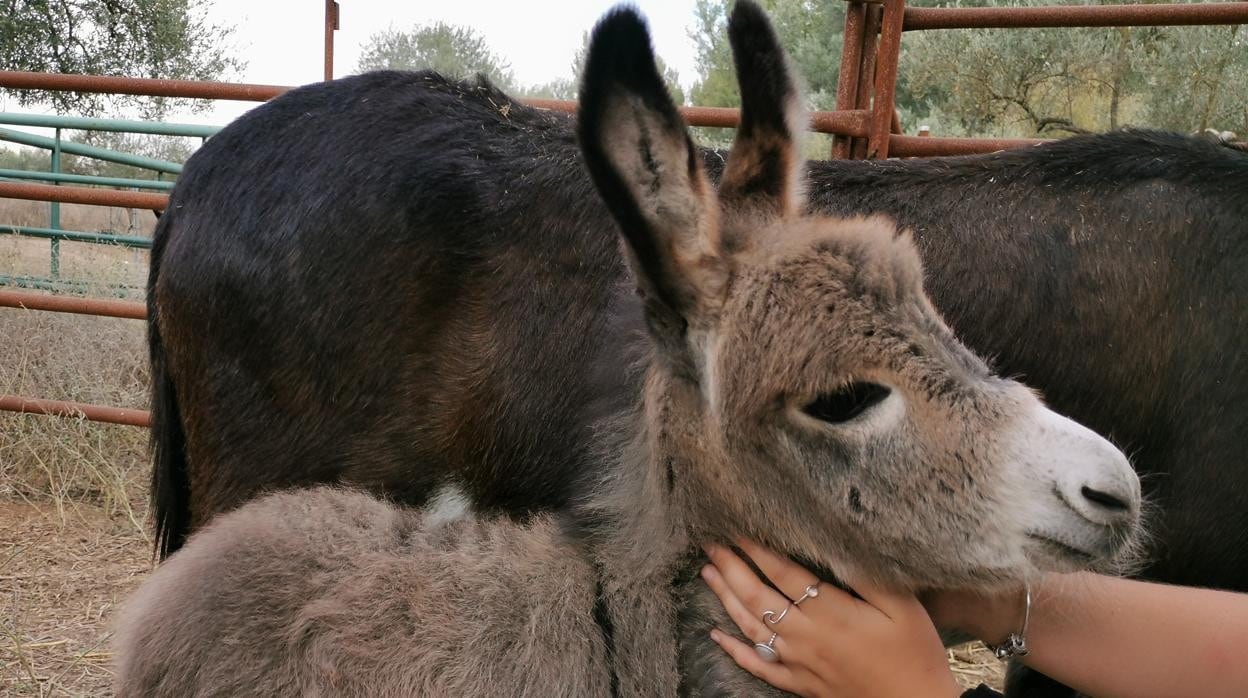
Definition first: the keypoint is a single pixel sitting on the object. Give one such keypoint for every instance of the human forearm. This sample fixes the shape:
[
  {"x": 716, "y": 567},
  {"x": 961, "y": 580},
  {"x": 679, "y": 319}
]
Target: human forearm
[{"x": 1114, "y": 637}]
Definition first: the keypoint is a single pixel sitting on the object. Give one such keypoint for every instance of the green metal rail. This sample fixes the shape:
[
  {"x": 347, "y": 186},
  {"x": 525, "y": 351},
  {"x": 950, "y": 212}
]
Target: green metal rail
[
  {"x": 90, "y": 151},
  {"x": 119, "y": 125},
  {"x": 57, "y": 147},
  {"x": 76, "y": 236},
  {"x": 86, "y": 179}
]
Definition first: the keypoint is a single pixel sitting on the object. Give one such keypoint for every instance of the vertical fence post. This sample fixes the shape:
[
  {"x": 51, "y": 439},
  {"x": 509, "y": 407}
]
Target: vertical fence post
[
  {"x": 54, "y": 212},
  {"x": 887, "y": 57},
  {"x": 847, "y": 80},
  {"x": 331, "y": 24},
  {"x": 866, "y": 73}
]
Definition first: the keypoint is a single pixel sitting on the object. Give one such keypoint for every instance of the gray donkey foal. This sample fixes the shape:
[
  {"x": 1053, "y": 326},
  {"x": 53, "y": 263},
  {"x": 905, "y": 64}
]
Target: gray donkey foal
[{"x": 801, "y": 391}]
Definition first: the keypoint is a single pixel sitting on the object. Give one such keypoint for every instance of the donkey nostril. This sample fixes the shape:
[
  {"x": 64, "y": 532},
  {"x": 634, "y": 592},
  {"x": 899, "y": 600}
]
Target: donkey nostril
[{"x": 1105, "y": 499}]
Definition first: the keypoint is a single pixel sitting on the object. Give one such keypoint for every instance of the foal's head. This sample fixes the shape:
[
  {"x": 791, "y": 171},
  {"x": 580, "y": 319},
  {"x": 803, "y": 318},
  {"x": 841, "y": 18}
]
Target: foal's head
[{"x": 804, "y": 390}]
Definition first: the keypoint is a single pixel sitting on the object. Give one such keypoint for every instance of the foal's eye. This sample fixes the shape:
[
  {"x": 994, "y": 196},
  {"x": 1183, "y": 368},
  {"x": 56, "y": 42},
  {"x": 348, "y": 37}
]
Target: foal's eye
[{"x": 846, "y": 403}]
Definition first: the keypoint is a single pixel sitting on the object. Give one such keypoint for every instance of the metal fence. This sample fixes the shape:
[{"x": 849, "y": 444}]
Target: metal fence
[
  {"x": 864, "y": 125},
  {"x": 58, "y": 146},
  {"x": 872, "y": 51}
]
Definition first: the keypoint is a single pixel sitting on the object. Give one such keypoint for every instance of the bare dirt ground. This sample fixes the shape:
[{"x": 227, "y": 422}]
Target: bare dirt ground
[{"x": 62, "y": 581}]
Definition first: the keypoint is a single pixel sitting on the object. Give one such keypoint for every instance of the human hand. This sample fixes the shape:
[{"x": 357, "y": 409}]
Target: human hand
[{"x": 831, "y": 644}]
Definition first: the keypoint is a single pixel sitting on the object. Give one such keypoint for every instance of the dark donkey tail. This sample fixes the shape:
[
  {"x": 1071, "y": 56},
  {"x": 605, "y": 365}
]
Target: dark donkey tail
[{"x": 170, "y": 486}]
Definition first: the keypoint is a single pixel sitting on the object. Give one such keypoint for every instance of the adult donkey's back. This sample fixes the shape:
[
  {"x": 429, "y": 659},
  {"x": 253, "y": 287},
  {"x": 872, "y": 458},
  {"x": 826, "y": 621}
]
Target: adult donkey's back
[{"x": 406, "y": 283}]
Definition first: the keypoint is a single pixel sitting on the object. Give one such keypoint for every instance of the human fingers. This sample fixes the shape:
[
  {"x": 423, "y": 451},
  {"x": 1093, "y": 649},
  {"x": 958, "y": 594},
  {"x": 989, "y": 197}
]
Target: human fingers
[
  {"x": 759, "y": 633},
  {"x": 855, "y": 653},
  {"x": 790, "y": 578},
  {"x": 777, "y": 674},
  {"x": 756, "y": 596},
  {"x": 748, "y": 621},
  {"x": 795, "y": 580}
]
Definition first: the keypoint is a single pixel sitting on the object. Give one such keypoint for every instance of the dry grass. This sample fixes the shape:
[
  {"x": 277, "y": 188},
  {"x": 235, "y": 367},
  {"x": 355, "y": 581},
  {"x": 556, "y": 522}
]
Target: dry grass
[
  {"x": 973, "y": 664},
  {"x": 61, "y": 582},
  {"x": 88, "y": 219},
  {"x": 25, "y": 256},
  {"x": 68, "y": 463},
  {"x": 73, "y": 514}
]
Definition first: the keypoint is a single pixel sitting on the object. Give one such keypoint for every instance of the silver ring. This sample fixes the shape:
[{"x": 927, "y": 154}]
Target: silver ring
[
  {"x": 772, "y": 617},
  {"x": 811, "y": 592},
  {"x": 767, "y": 652}
]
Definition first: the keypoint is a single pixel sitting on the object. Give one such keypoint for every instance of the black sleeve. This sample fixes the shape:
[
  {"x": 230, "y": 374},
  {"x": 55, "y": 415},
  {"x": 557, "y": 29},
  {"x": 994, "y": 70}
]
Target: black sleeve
[{"x": 980, "y": 691}]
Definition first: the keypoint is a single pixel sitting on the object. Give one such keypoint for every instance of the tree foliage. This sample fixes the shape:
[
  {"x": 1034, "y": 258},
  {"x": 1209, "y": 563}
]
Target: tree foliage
[
  {"x": 453, "y": 51},
  {"x": 169, "y": 148},
  {"x": 171, "y": 39},
  {"x": 1058, "y": 81},
  {"x": 460, "y": 52},
  {"x": 1018, "y": 82},
  {"x": 1197, "y": 80},
  {"x": 811, "y": 31}
]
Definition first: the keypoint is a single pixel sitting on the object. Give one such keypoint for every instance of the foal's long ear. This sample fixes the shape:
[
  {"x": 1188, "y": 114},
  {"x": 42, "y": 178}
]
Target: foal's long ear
[
  {"x": 642, "y": 161},
  {"x": 764, "y": 167}
]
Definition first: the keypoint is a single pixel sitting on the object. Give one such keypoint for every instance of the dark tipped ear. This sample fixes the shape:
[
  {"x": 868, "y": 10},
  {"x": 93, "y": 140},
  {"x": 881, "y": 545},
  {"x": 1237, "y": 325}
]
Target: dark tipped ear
[
  {"x": 764, "y": 167},
  {"x": 639, "y": 156}
]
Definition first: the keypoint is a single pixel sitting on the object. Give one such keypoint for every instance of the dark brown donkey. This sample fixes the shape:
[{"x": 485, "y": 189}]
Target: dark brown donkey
[{"x": 407, "y": 283}]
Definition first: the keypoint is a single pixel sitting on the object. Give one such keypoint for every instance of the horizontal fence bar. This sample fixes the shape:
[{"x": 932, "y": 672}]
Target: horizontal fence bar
[
  {"x": 85, "y": 179},
  {"x": 76, "y": 236},
  {"x": 563, "y": 105},
  {"x": 70, "y": 304},
  {"x": 192, "y": 89},
  {"x": 120, "y": 125},
  {"x": 90, "y": 151},
  {"x": 918, "y": 18},
  {"x": 899, "y": 146},
  {"x": 79, "y": 410},
  {"x": 929, "y": 146},
  {"x": 83, "y": 195},
  {"x": 85, "y": 306},
  {"x": 851, "y": 122},
  {"x": 844, "y": 122}
]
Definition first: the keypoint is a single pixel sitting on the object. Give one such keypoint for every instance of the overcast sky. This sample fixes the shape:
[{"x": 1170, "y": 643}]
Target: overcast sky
[{"x": 282, "y": 40}]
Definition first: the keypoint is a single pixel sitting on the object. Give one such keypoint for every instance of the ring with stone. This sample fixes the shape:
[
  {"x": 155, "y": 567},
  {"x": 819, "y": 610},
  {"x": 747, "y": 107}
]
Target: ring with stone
[
  {"x": 811, "y": 592},
  {"x": 767, "y": 652}
]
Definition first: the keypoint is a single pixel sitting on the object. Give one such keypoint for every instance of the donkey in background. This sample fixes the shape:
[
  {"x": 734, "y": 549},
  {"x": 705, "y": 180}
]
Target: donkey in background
[
  {"x": 1106, "y": 271},
  {"x": 800, "y": 389}
]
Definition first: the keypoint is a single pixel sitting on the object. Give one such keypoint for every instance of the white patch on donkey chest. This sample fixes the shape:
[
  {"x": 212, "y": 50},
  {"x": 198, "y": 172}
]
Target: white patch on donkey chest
[{"x": 448, "y": 504}]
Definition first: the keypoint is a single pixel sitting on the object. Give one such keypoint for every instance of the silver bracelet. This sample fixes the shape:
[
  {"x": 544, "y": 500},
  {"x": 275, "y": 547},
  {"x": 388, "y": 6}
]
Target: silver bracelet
[{"x": 1015, "y": 644}]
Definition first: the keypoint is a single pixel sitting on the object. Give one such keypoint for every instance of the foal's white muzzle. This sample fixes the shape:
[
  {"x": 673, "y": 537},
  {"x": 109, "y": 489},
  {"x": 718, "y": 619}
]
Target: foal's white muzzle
[{"x": 1082, "y": 505}]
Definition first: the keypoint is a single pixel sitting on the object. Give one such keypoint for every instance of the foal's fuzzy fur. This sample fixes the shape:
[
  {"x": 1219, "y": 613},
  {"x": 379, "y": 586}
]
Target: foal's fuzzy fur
[
  {"x": 333, "y": 592},
  {"x": 802, "y": 391}
]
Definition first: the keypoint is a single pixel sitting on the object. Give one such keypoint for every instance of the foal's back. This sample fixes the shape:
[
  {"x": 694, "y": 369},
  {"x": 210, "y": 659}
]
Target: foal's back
[{"x": 332, "y": 592}]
